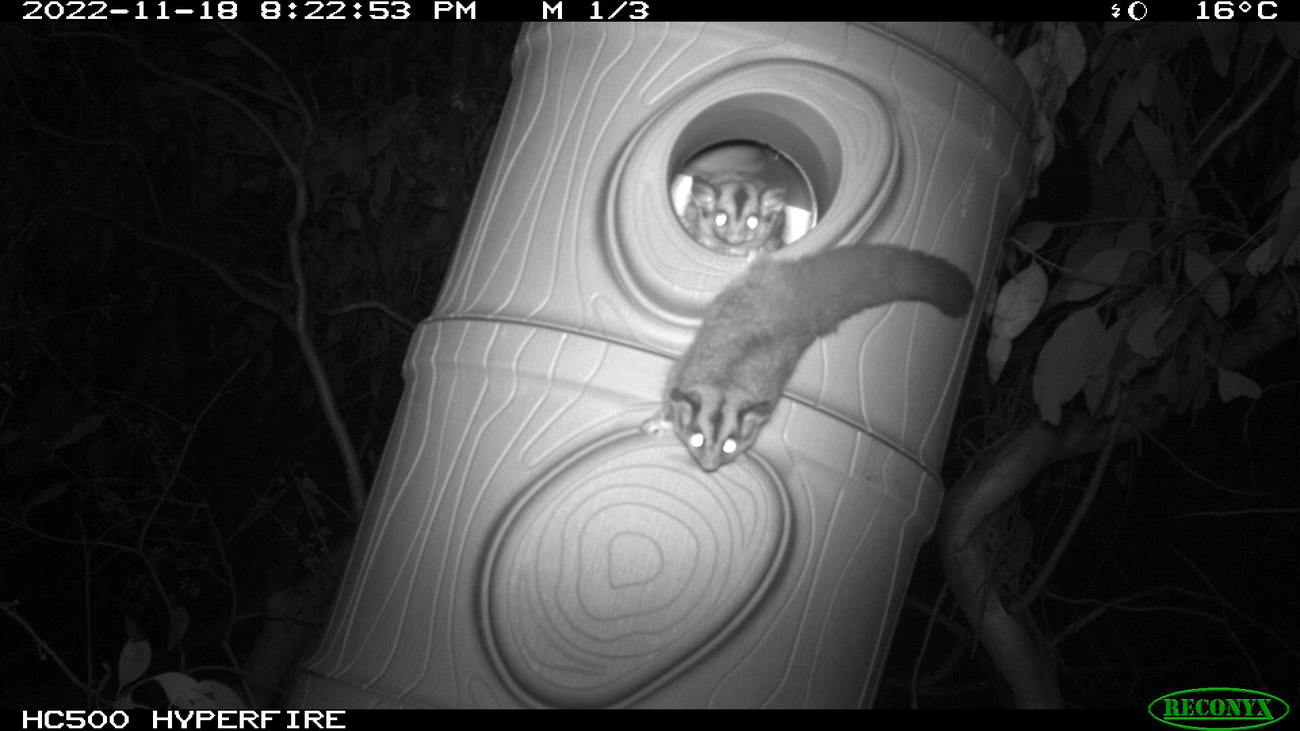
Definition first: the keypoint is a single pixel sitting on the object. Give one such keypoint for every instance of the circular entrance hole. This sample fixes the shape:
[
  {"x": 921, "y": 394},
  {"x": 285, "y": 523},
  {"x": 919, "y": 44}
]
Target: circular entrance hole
[
  {"x": 752, "y": 173},
  {"x": 740, "y": 196}
]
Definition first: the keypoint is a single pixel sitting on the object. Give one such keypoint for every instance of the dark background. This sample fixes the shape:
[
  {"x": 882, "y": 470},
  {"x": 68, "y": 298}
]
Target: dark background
[{"x": 160, "y": 432}]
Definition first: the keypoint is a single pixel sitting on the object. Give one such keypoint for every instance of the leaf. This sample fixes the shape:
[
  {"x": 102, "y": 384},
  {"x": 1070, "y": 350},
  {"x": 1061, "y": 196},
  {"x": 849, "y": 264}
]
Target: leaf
[
  {"x": 1170, "y": 102},
  {"x": 1034, "y": 234},
  {"x": 186, "y": 693},
  {"x": 310, "y": 495},
  {"x": 1202, "y": 396},
  {"x": 1087, "y": 244},
  {"x": 1291, "y": 256},
  {"x": 1157, "y": 147},
  {"x": 996, "y": 355},
  {"x": 1103, "y": 371},
  {"x": 1019, "y": 302},
  {"x": 1288, "y": 34},
  {"x": 1254, "y": 42},
  {"x": 182, "y": 691},
  {"x": 1101, "y": 272},
  {"x": 53, "y": 492},
  {"x": 1122, "y": 105},
  {"x": 1142, "y": 336},
  {"x": 1219, "y": 37},
  {"x": 133, "y": 661},
  {"x": 1050, "y": 66},
  {"x": 1232, "y": 385},
  {"x": 1135, "y": 237},
  {"x": 1202, "y": 273},
  {"x": 1071, "y": 51},
  {"x": 1044, "y": 153},
  {"x": 1261, "y": 259},
  {"x": 1031, "y": 64},
  {"x": 86, "y": 427},
  {"x": 221, "y": 694},
  {"x": 1147, "y": 79},
  {"x": 1066, "y": 360},
  {"x": 1288, "y": 217},
  {"x": 124, "y": 703},
  {"x": 1198, "y": 268},
  {"x": 1244, "y": 288}
]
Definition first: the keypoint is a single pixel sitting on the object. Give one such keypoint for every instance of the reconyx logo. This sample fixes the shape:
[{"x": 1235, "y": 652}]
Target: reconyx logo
[{"x": 1219, "y": 709}]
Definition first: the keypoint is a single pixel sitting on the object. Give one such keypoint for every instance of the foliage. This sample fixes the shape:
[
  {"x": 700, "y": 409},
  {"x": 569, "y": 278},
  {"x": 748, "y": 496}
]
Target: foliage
[
  {"x": 1171, "y": 254},
  {"x": 1155, "y": 270},
  {"x": 161, "y": 438}
]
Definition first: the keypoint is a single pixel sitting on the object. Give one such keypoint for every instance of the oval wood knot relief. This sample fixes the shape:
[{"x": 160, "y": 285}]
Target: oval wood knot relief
[{"x": 621, "y": 568}]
